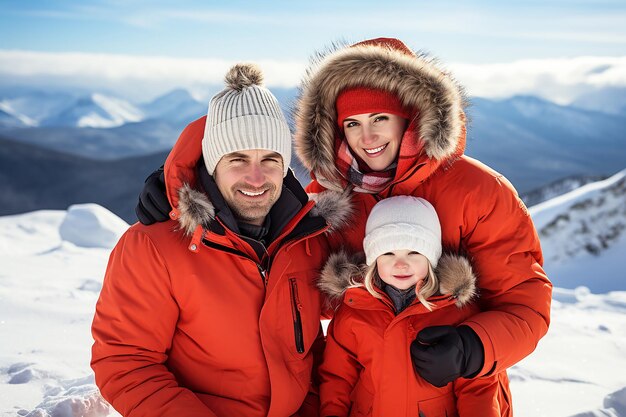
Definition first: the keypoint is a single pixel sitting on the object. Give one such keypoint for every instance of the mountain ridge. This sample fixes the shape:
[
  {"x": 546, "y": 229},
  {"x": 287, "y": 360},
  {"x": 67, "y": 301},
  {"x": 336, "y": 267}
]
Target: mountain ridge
[
  {"x": 34, "y": 178},
  {"x": 531, "y": 141}
]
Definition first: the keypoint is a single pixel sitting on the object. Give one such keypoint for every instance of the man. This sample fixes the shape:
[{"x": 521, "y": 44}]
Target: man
[{"x": 215, "y": 312}]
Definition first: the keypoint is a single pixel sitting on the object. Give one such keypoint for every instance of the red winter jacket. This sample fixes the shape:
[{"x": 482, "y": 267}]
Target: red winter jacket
[
  {"x": 367, "y": 368},
  {"x": 187, "y": 324},
  {"x": 480, "y": 212}
]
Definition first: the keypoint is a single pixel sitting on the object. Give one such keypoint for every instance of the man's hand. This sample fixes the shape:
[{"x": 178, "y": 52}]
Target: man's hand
[
  {"x": 153, "y": 205},
  {"x": 442, "y": 354}
]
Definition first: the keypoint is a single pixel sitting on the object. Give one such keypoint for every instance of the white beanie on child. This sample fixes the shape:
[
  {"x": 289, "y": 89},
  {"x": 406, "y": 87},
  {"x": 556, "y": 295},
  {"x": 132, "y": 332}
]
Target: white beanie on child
[
  {"x": 245, "y": 116},
  {"x": 403, "y": 222}
]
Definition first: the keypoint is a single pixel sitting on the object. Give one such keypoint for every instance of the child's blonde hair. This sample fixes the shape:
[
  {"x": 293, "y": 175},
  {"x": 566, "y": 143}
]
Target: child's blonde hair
[{"x": 429, "y": 287}]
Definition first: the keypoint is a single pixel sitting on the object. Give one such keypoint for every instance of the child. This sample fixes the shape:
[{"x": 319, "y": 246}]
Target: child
[{"x": 406, "y": 287}]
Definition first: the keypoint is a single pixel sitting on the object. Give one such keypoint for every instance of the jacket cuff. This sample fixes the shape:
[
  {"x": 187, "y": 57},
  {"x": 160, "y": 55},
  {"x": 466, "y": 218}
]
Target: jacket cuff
[
  {"x": 489, "y": 359},
  {"x": 474, "y": 352}
]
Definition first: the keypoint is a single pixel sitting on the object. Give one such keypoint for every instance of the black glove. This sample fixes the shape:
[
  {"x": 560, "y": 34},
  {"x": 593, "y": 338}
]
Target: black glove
[
  {"x": 153, "y": 205},
  {"x": 442, "y": 354}
]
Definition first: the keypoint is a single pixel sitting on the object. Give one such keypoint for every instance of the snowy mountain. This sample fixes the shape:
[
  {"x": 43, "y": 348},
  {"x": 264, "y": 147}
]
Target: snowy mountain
[
  {"x": 11, "y": 118},
  {"x": 50, "y": 280},
  {"x": 72, "y": 108},
  {"x": 76, "y": 108},
  {"x": 583, "y": 235},
  {"x": 557, "y": 188},
  {"x": 7, "y": 118},
  {"x": 33, "y": 178},
  {"x": 607, "y": 100},
  {"x": 534, "y": 142},
  {"x": 131, "y": 139},
  {"x": 96, "y": 110},
  {"x": 98, "y": 126},
  {"x": 531, "y": 141},
  {"x": 177, "y": 107},
  {"x": 34, "y": 105}
]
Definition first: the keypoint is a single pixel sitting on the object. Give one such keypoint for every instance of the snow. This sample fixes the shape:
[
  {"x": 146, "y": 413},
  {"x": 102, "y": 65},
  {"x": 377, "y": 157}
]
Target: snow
[
  {"x": 108, "y": 112},
  {"x": 104, "y": 228},
  {"x": 581, "y": 360},
  {"x": 174, "y": 106},
  {"x": 39, "y": 104},
  {"x": 117, "y": 113},
  {"x": 53, "y": 264},
  {"x": 583, "y": 235},
  {"x": 93, "y": 110},
  {"x": 6, "y": 106},
  {"x": 544, "y": 212},
  {"x": 48, "y": 290}
]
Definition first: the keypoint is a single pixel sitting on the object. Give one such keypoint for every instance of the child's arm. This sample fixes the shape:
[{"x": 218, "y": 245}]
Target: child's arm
[{"x": 339, "y": 370}]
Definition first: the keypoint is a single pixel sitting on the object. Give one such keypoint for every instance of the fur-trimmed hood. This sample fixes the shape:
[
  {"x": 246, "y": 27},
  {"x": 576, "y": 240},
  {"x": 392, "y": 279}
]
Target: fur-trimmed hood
[
  {"x": 380, "y": 64},
  {"x": 455, "y": 274},
  {"x": 197, "y": 209}
]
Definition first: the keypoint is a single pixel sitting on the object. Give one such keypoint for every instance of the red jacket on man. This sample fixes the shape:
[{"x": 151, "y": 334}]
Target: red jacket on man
[{"x": 190, "y": 322}]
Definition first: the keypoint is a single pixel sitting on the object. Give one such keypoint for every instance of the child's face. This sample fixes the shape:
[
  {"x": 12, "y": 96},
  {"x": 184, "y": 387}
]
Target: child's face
[{"x": 402, "y": 268}]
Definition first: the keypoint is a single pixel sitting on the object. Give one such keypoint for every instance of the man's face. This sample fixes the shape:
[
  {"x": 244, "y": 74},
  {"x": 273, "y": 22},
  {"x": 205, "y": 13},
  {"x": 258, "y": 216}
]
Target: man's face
[{"x": 250, "y": 182}]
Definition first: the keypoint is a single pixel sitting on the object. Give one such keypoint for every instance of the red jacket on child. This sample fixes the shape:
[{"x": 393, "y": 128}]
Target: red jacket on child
[{"x": 367, "y": 368}]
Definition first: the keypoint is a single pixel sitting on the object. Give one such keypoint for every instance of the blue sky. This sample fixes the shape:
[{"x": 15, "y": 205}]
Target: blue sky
[
  {"x": 557, "y": 49},
  {"x": 464, "y": 31}
]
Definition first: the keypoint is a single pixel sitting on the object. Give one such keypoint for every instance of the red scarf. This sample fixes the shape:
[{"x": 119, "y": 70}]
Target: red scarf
[
  {"x": 373, "y": 182},
  {"x": 364, "y": 181}
]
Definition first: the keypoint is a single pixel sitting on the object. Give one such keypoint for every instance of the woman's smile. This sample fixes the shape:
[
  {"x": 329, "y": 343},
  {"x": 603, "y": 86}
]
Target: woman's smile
[{"x": 375, "y": 138}]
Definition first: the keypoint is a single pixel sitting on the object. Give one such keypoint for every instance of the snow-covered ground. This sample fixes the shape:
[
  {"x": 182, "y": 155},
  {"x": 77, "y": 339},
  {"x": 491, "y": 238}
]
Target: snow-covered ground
[
  {"x": 48, "y": 290},
  {"x": 51, "y": 270}
]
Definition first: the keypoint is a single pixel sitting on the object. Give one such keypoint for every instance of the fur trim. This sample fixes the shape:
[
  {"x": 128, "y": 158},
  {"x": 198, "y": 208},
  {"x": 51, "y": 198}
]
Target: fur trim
[
  {"x": 417, "y": 81},
  {"x": 243, "y": 75},
  {"x": 339, "y": 273},
  {"x": 195, "y": 209},
  {"x": 456, "y": 278},
  {"x": 336, "y": 207},
  {"x": 455, "y": 274}
]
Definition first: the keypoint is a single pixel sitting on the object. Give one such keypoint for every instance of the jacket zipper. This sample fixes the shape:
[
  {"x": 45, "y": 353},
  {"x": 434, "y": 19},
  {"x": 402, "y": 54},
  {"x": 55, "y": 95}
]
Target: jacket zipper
[
  {"x": 263, "y": 273},
  {"x": 295, "y": 312},
  {"x": 406, "y": 178},
  {"x": 262, "y": 270}
]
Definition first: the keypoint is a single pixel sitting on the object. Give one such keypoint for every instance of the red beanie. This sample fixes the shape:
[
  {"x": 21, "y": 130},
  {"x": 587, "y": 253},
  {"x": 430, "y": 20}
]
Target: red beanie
[
  {"x": 360, "y": 100},
  {"x": 389, "y": 43}
]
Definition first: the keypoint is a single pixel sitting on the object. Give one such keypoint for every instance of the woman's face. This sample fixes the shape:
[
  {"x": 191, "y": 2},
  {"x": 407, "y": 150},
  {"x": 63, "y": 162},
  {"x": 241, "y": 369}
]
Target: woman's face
[
  {"x": 375, "y": 137},
  {"x": 402, "y": 268}
]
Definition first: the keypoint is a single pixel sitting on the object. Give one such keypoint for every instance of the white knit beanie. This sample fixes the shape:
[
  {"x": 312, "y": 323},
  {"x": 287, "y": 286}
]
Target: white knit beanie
[
  {"x": 403, "y": 222},
  {"x": 244, "y": 116}
]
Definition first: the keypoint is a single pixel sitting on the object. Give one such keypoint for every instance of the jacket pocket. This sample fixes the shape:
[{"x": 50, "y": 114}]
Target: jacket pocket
[
  {"x": 300, "y": 316},
  {"x": 296, "y": 308},
  {"x": 504, "y": 399},
  {"x": 444, "y": 406}
]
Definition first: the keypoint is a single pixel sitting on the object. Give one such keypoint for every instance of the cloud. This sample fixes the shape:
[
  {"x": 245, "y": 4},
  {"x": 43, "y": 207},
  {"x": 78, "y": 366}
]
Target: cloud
[
  {"x": 133, "y": 75},
  {"x": 559, "y": 80}
]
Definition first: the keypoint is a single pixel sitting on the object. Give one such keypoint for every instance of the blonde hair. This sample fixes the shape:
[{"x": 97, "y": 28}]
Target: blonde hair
[{"x": 429, "y": 287}]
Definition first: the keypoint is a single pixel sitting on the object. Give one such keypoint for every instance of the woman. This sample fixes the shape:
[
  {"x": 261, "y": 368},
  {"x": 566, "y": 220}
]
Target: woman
[{"x": 480, "y": 212}]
